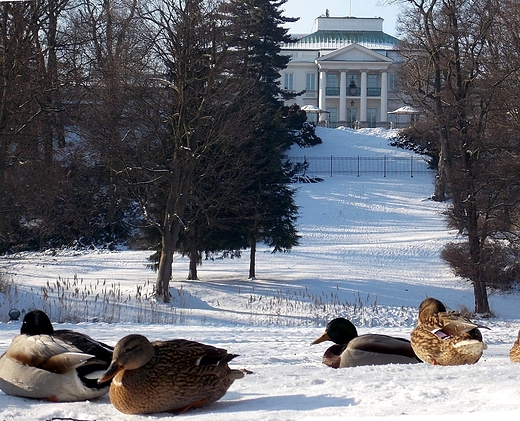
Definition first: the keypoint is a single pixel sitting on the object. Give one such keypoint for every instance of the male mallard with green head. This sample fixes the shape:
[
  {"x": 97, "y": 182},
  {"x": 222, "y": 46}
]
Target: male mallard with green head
[
  {"x": 444, "y": 337},
  {"x": 167, "y": 376},
  {"x": 351, "y": 350}
]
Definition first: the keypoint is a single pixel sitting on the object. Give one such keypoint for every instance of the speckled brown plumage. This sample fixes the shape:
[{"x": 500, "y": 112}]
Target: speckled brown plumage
[
  {"x": 167, "y": 376},
  {"x": 514, "y": 353},
  {"x": 446, "y": 338}
]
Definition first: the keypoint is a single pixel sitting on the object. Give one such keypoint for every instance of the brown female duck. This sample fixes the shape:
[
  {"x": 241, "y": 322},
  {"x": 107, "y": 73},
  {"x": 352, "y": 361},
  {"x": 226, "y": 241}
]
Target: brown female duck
[
  {"x": 444, "y": 337},
  {"x": 167, "y": 376},
  {"x": 514, "y": 353}
]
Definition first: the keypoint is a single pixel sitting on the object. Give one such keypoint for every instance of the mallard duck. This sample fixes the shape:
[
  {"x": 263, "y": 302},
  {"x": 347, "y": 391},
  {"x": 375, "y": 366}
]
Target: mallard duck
[
  {"x": 167, "y": 376},
  {"x": 352, "y": 350},
  {"x": 514, "y": 353},
  {"x": 56, "y": 365},
  {"x": 444, "y": 337}
]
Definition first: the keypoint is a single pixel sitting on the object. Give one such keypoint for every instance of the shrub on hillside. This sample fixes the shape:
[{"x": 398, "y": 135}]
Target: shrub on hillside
[
  {"x": 420, "y": 139},
  {"x": 500, "y": 265}
]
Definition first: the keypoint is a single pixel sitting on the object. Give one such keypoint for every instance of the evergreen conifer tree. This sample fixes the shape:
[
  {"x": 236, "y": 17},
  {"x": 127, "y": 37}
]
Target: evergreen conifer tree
[{"x": 256, "y": 36}]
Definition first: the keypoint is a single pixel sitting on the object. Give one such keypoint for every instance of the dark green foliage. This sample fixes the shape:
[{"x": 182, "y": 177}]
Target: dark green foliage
[
  {"x": 300, "y": 131},
  {"x": 256, "y": 32},
  {"x": 421, "y": 139},
  {"x": 202, "y": 119},
  {"x": 240, "y": 192}
]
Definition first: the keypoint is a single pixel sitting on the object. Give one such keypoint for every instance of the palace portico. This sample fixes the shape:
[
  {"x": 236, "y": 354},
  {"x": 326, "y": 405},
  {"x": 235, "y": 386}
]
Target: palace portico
[{"x": 347, "y": 69}]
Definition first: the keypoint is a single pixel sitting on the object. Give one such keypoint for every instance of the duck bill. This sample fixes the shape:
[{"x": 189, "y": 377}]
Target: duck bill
[
  {"x": 112, "y": 370},
  {"x": 322, "y": 338}
]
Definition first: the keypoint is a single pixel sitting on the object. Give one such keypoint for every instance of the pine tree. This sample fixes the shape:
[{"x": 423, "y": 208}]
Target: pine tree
[{"x": 257, "y": 33}]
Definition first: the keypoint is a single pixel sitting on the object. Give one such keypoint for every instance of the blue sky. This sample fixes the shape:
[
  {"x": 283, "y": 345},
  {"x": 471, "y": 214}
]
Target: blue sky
[{"x": 308, "y": 10}]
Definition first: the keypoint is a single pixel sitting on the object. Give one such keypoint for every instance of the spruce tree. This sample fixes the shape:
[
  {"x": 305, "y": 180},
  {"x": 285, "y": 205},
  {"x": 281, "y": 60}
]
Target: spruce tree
[
  {"x": 256, "y": 36},
  {"x": 241, "y": 194}
]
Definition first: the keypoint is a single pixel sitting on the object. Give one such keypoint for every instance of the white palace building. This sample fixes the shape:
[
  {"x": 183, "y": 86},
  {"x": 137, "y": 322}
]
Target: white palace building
[{"x": 346, "y": 70}]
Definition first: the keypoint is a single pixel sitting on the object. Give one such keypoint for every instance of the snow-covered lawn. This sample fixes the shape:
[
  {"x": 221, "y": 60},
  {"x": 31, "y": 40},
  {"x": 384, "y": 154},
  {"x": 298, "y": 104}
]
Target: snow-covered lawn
[{"x": 370, "y": 251}]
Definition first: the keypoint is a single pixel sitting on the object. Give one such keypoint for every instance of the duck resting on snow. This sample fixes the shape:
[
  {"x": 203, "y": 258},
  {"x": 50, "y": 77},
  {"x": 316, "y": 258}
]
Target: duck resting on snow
[
  {"x": 444, "y": 337},
  {"x": 352, "y": 350},
  {"x": 55, "y": 365},
  {"x": 514, "y": 353},
  {"x": 167, "y": 376}
]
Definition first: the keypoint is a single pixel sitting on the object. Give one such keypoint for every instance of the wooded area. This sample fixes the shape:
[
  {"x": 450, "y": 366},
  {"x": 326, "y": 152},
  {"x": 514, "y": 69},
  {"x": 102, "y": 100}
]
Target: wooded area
[
  {"x": 162, "y": 125},
  {"x": 462, "y": 68},
  {"x": 157, "y": 124}
]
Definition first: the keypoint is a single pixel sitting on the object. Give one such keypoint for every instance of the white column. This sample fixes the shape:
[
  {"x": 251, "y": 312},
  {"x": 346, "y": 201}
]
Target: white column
[
  {"x": 384, "y": 96},
  {"x": 343, "y": 97},
  {"x": 322, "y": 95},
  {"x": 363, "y": 101}
]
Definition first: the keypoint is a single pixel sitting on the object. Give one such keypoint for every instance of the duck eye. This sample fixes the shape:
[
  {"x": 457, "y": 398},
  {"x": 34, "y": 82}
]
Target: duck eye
[{"x": 131, "y": 348}]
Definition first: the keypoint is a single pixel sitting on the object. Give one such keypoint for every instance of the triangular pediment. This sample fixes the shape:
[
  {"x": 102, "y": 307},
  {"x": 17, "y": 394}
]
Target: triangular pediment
[{"x": 354, "y": 52}]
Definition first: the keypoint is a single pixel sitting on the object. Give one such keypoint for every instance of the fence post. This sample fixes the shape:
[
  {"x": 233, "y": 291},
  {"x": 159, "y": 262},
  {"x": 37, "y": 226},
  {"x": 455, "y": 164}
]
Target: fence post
[
  {"x": 384, "y": 166},
  {"x": 411, "y": 166},
  {"x": 358, "y": 166},
  {"x": 331, "y": 165}
]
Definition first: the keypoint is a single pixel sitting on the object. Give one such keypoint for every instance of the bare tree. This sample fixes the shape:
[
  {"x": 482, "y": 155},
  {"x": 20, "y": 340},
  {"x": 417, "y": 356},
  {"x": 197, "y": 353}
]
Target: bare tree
[
  {"x": 452, "y": 51},
  {"x": 22, "y": 79},
  {"x": 191, "y": 49},
  {"x": 113, "y": 59},
  {"x": 50, "y": 90}
]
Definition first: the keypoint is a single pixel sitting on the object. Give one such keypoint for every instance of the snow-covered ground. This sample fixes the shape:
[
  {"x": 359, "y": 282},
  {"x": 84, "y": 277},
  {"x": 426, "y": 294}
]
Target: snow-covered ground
[{"x": 370, "y": 251}]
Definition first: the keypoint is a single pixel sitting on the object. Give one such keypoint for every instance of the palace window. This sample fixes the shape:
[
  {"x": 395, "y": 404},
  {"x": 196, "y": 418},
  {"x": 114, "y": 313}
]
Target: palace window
[
  {"x": 289, "y": 82},
  {"x": 311, "y": 82}
]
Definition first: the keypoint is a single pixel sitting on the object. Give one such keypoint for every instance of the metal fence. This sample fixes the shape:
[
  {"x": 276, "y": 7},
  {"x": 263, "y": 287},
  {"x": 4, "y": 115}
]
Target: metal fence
[{"x": 385, "y": 165}]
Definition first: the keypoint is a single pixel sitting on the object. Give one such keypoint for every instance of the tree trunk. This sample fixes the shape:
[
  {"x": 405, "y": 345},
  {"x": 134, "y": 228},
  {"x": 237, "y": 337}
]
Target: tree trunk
[
  {"x": 444, "y": 171},
  {"x": 441, "y": 178},
  {"x": 194, "y": 257},
  {"x": 475, "y": 250},
  {"x": 164, "y": 272},
  {"x": 170, "y": 234},
  {"x": 172, "y": 224},
  {"x": 252, "y": 259},
  {"x": 50, "y": 72},
  {"x": 3, "y": 158},
  {"x": 481, "y": 297},
  {"x": 439, "y": 194}
]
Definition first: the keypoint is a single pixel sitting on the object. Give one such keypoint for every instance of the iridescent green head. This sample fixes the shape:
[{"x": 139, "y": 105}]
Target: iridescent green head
[{"x": 340, "y": 331}]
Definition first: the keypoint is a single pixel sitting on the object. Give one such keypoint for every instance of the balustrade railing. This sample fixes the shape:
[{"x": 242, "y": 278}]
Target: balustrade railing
[{"x": 352, "y": 91}]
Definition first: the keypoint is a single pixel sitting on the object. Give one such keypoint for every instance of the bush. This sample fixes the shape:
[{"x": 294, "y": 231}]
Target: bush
[
  {"x": 421, "y": 139},
  {"x": 499, "y": 263},
  {"x": 4, "y": 285}
]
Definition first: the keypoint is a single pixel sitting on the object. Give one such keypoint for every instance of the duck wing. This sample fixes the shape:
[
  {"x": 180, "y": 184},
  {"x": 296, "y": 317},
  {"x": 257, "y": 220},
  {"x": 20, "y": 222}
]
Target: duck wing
[
  {"x": 373, "y": 349},
  {"x": 453, "y": 324},
  {"x": 36, "y": 349},
  {"x": 382, "y": 344},
  {"x": 194, "y": 353},
  {"x": 51, "y": 354},
  {"x": 62, "y": 363},
  {"x": 86, "y": 344}
]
